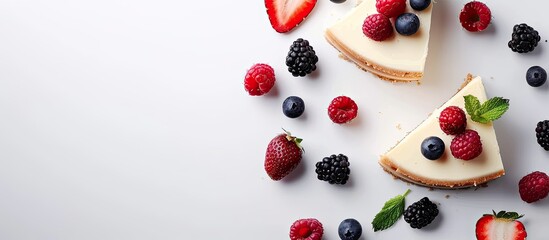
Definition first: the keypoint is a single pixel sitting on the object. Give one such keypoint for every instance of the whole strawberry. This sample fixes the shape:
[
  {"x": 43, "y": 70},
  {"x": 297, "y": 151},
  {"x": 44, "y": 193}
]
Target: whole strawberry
[
  {"x": 282, "y": 156},
  {"x": 500, "y": 226},
  {"x": 534, "y": 187}
]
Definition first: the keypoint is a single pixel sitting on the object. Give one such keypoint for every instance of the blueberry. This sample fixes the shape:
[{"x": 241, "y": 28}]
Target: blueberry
[
  {"x": 432, "y": 148},
  {"x": 337, "y": 1},
  {"x": 293, "y": 107},
  {"x": 407, "y": 24},
  {"x": 536, "y": 76},
  {"x": 420, "y": 5},
  {"x": 349, "y": 229}
]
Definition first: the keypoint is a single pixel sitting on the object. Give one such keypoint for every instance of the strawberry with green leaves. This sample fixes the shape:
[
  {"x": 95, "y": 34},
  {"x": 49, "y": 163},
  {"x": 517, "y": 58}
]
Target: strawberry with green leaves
[
  {"x": 283, "y": 155},
  {"x": 500, "y": 226}
]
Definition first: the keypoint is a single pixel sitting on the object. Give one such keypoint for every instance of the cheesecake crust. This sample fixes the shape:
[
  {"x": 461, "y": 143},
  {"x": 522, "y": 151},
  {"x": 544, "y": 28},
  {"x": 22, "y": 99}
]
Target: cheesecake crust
[{"x": 380, "y": 71}]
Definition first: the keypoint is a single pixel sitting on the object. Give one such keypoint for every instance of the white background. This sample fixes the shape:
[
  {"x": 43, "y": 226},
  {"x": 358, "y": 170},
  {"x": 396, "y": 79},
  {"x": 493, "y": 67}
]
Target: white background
[{"x": 128, "y": 119}]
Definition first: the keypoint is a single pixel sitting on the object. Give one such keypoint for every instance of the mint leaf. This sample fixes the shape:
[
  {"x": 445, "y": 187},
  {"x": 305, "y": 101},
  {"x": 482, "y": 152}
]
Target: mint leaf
[
  {"x": 486, "y": 112},
  {"x": 390, "y": 213},
  {"x": 472, "y": 104}
]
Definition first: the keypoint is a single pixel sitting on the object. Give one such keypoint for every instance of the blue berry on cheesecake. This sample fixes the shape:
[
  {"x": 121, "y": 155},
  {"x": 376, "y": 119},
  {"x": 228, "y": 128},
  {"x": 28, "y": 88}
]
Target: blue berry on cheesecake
[
  {"x": 407, "y": 24},
  {"x": 432, "y": 148},
  {"x": 420, "y": 5}
]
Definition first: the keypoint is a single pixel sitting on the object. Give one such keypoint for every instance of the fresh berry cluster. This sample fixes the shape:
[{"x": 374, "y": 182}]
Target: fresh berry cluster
[
  {"x": 524, "y": 38},
  {"x": 333, "y": 169},
  {"x": 378, "y": 27},
  {"x": 542, "y": 134},
  {"x": 421, "y": 213},
  {"x": 466, "y": 144},
  {"x": 301, "y": 59},
  {"x": 312, "y": 229}
]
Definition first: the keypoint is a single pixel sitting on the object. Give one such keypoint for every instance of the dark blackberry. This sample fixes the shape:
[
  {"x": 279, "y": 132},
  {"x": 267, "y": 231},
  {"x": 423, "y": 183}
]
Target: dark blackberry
[
  {"x": 421, "y": 213},
  {"x": 524, "y": 38},
  {"x": 542, "y": 134},
  {"x": 301, "y": 59},
  {"x": 333, "y": 169}
]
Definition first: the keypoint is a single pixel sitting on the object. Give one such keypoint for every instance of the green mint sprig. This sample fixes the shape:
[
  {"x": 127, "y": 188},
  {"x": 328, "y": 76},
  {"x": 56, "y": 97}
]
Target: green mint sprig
[
  {"x": 390, "y": 213},
  {"x": 488, "y": 111}
]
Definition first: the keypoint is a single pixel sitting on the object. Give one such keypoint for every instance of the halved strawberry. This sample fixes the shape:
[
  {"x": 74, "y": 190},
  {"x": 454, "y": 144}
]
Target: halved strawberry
[
  {"x": 287, "y": 14},
  {"x": 500, "y": 226}
]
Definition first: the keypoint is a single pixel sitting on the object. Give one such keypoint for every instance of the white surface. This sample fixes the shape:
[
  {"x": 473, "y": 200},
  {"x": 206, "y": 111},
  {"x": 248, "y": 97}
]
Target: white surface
[{"x": 128, "y": 120}]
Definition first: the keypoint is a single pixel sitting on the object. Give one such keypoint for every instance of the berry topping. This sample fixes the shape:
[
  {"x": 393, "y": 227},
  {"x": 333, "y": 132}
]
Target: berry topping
[
  {"x": 421, "y": 213},
  {"x": 349, "y": 229},
  {"x": 391, "y": 8},
  {"x": 407, "y": 24},
  {"x": 259, "y": 79},
  {"x": 293, "y": 106},
  {"x": 475, "y": 16},
  {"x": 282, "y": 156},
  {"x": 524, "y": 38},
  {"x": 333, "y": 169},
  {"x": 342, "y": 109},
  {"x": 534, "y": 187},
  {"x": 306, "y": 229},
  {"x": 285, "y": 16},
  {"x": 420, "y": 5},
  {"x": 452, "y": 120},
  {"x": 432, "y": 148},
  {"x": 301, "y": 59},
  {"x": 466, "y": 146},
  {"x": 536, "y": 76},
  {"x": 377, "y": 27},
  {"x": 500, "y": 226},
  {"x": 338, "y": 1},
  {"x": 542, "y": 134}
]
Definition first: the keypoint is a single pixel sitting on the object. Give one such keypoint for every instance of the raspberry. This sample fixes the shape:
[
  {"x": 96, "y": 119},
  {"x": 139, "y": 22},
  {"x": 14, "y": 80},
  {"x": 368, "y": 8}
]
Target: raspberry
[
  {"x": 391, "y": 8},
  {"x": 342, "y": 109},
  {"x": 467, "y": 145},
  {"x": 306, "y": 229},
  {"x": 475, "y": 16},
  {"x": 452, "y": 120},
  {"x": 377, "y": 27},
  {"x": 534, "y": 186},
  {"x": 259, "y": 79}
]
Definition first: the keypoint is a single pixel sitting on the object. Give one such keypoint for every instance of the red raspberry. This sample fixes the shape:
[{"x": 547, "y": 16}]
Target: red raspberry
[
  {"x": 475, "y": 16},
  {"x": 306, "y": 229},
  {"x": 342, "y": 109},
  {"x": 534, "y": 186},
  {"x": 467, "y": 145},
  {"x": 391, "y": 8},
  {"x": 377, "y": 27},
  {"x": 259, "y": 79},
  {"x": 452, "y": 120}
]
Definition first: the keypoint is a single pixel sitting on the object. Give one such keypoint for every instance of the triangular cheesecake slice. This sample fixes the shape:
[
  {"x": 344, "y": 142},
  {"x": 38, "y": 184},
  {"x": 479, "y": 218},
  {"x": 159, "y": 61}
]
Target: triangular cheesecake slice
[
  {"x": 399, "y": 58},
  {"x": 406, "y": 161}
]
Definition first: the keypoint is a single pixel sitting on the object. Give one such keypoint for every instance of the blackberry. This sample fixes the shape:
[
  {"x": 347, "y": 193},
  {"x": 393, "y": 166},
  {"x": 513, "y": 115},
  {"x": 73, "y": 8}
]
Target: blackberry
[
  {"x": 542, "y": 134},
  {"x": 421, "y": 213},
  {"x": 301, "y": 59},
  {"x": 333, "y": 169},
  {"x": 524, "y": 38}
]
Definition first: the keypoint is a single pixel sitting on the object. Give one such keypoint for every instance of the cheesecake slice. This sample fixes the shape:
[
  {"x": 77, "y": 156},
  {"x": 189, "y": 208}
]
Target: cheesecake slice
[
  {"x": 399, "y": 58},
  {"x": 406, "y": 161}
]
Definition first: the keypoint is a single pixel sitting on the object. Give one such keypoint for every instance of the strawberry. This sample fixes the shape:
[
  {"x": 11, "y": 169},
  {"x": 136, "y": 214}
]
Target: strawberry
[
  {"x": 282, "y": 156},
  {"x": 500, "y": 226},
  {"x": 285, "y": 15}
]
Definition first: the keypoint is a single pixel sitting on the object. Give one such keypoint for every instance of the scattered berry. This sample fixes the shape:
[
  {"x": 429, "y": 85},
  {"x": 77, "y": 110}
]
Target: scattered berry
[
  {"x": 452, "y": 120},
  {"x": 524, "y": 38},
  {"x": 377, "y": 27},
  {"x": 333, "y": 169},
  {"x": 420, "y": 5},
  {"x": 350, "y": 229},
  {"x": 466, "y": 146},
  {"x": 534, "y": 187},
  {"x": 391, "y": 8},
  {"x": 342, "y": 109},
  {"x": 284, "y": 16},
  {"x": 293, "y": 106},
  {"x": 475, "y": 16},
  {"x": 421, "y": 213},
  {"x": 259, "y": 79},
  {"x": 301, "y": 59},
  {"x": 432, "y": 148},
  {"x": 338, "y": 1},
  {"x": 407, "y": 24},
  {"x": 536, "y": 76},
  {"x": 282, "y": 156},
  {"x": 306, "y": 229},
  {"x": 500, "y": 226},
  {"x": 542, "y": 134}
]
